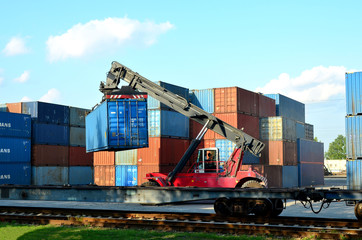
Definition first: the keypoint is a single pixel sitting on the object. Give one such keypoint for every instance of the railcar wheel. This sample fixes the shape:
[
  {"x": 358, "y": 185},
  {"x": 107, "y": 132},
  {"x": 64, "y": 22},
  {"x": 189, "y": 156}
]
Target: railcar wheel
[
  {"x": 358, "y": 210},
  {"x": 263, "y": 208},
  {"x": 223, "y": 206},
  {"x": 277, "y": 207},
  {"x": 150, "y": 184}
]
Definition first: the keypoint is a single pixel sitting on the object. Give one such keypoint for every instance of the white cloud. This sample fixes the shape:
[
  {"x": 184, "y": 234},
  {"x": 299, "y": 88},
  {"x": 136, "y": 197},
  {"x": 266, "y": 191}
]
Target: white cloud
[
  {"x": 52, "y": 96},
  {"x": 103, "y": 35},
  {"x": 312, "y": 85},
  {"x": 1, "y": 78},
  {"x": 15, "y": 46},
  {"x": 23, "y": 77},
  {"x": 26, "y": 99}
]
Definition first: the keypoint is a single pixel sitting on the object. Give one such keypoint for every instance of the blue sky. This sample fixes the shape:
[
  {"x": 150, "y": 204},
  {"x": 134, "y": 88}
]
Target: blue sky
[{"x": 59, "y": 51}]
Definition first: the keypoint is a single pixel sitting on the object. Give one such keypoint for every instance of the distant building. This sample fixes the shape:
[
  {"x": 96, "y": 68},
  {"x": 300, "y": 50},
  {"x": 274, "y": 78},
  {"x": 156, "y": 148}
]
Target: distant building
[{"x": 336, "y": 165}]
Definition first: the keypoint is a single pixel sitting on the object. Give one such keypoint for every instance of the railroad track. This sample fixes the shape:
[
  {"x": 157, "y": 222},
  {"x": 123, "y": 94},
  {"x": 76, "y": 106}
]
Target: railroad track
[{"x": 281, "y": 226}]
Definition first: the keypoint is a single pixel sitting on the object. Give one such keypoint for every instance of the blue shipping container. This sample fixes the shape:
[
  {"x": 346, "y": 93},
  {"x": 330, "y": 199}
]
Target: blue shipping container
[
  {"x": 126, "y": 175},
  {"x": 15, "y": 150},
  {"x": 15, "y": 173},
  {"x": 300, "y": 130},
  {"x": 290, "y": 176},
  {"x": 49, "y": 175},
  {"x": 353, "y": 93},
  {"x": 287, "y": 107},
  {"x": 310, "y": 174},
  {"x": 77, "y": 136},
  {"x": 155, "y": 104},
  {"x": 203, "y": 99},
  {"x": 163, "y": 123},
  {"x": 47, "y": 112},
  {"x": 226, "y": 148},
  {"x": 3, "y": 107},
  {"x": 116, "y": 125},
  {"x": 310, "y": 151},
  {"x": 50, "y": 134},
  {"x": 15, "y": 125},
  {"x": 80, "y": 175},
  {"x": 354, "y": 174},
  {"x": 354, "y": 137}
]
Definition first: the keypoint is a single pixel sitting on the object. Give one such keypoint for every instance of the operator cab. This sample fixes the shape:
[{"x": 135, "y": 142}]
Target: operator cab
[{"x": 208, "y": 161}]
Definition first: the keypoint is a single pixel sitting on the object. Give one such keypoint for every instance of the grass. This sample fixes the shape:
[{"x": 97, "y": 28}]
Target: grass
[{"x": 12, "y": 231}]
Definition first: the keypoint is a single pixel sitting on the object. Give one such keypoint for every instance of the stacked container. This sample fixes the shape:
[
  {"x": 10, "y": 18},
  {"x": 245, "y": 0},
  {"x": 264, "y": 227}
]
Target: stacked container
[
  {"x": 15, "y": 148},
  {"x": 354, "y": 130}
]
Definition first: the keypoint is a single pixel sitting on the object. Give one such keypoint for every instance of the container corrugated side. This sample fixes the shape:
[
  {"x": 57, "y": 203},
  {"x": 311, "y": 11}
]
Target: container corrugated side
[
  {"x": 47, "y": 112},
  {"x": 300, "y": 130},
  {"x": 278, "y": 129},
  {"x": 282, "y": 153},
  {"x": 78, "y": 156},
  {"x": 155, "y": 104},
  {"x": 103, "y": 158},
  {"x": 49, "y": 155},
  {"x": 3, "y": 107},
  {"x": 354, "y": 174},
  {"x": 126, "y": 175},
  {"x": 354, "y": 137},
  {"x": 15, "y": 149},
  {"x": 309, "y": 131},
  {"x": 144, "y": 169},
  {"x": 15, "y": 125},
  {"x": 80, "y": 175},
  {"x": 127, "y": 157},
  {"x": 49, "y": 175},
  {"x": 310, "y": 174},
  {"x": 249, "y": 124},
  {"x": 290, "y": 176},
  {"x": 51, "y": 134},
  {"x": 288, "y": 107},
  {"x": 163, "y": 123},
  {"x": 203, "y": 99},
  {"x": 266, "y": 106},
  {"x": 14, "y": 107},
  {"x": 77, "y": 136},
  {"x": 279, "y": 176},
  {"x": 15, "y": 173},
  {"x": 104, "y": 175},
  {"x": 225, "y": 147},
  {"x": 77, "y": 116},
  {"x": 353, "y": 93},
  {"x": 310, "y": 151},
  {"x": 195, "y": 129}
]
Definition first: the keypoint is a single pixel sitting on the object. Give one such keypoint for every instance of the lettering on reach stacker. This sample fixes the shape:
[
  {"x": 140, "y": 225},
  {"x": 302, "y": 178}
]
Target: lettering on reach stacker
[
  {"x": 5, "y": 176},
  {"x": 4, "y": 124},
  {"x": 4, "y": 150}
]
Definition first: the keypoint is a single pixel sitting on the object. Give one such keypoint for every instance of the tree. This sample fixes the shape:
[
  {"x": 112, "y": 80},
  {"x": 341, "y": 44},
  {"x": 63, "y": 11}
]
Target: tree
[
  {"x": 337, "y": 149},
  {"x": 316, "y": 139}
]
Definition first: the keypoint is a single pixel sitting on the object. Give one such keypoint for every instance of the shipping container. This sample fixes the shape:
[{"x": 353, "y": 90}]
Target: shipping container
[
  {"x": 288, "y": 107},
  {"x": 354, "y": 137},
  {"x": 310, "y": 151},
  {"x": 310, "y": 174},
  {"x": 144, "y": 169},
  {"x": 209, "y": 143},
  {"x": 15, "y": 150},
  {"x": 236, "y": 100},
  {"x": 78, "y": 156},
  {"x": 49, "y": 175},
  {"x": 300, "y": 130},
  {"x": 249, "y": 124},
  {"x": 80, "y": 175},
  {"x": 3, "y": 107},
  {"x": 278, "y": 176},
  {"x": 43, "y": 112},
  {"x": 118, "y": 124},
  {"x": 14, "y": 107},
  {"x": 267, "y": 106},
  {"x": 126, "y": 157},
  {"x": 226, "y": 148},
  {"x": 195, "y": 129},
  {"x": 105, "y": 175},
  {"x": 15, "y": 173},
  {"x": 163, "y": 151},
  {"x": 353, "y": 93},
  {"x": 77, "y": 116},
  {"x": 77, "y": 136},
  {"x": 50, "y": 134},
  {"x": 163, "y": 123},
  {"x": 126, "y": 175},
  {"x": 203, "y": 99},
  {"x": 15, "y": 125},
  {"x": 103, "y": 158},
  {"x": 282, "y": 153},
  {"x": 278, "y": 129},
  {"x": 155, "y": 104},
  {"x": 354, "y": 174},
  {"x": 309, "y": 132},
  {"x": 49, "y": 155}
]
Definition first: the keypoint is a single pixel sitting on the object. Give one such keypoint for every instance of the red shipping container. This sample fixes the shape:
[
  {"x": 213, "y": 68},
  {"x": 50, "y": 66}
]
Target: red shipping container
[
  {"x": 49, "y": 155},
  {"x": 14, "y": 107},
  {"x": 105, "y": 175},
  {"x": 79, "y": 157},
  {"x": 236, "y": 100},
  {"x": 209, "y": 143},
  {"x": 282, "y": 153},
  {"x": 144, "y": 169},
  {"x": 103, "y": 158},
  {"x": 266, "y": 106},
  {"x": 239, "y": 120},
  {"x": 195, "y": 129},
  {"x": 162, "y": 151}
]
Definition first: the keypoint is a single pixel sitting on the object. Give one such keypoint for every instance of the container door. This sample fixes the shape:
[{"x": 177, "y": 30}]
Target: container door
[
  {"x": 117, "y": 122},
  {"x": 138, "y": 123}
]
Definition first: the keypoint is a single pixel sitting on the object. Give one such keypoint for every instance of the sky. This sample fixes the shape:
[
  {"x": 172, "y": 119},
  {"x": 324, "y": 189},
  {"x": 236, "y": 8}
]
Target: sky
[{"x": 60, "y": 51}]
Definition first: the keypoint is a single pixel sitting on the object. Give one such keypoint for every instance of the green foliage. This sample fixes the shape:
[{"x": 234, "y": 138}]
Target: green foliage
[
  {"x": 316, "y": 139},
  {"x": 337, "y": 149}
]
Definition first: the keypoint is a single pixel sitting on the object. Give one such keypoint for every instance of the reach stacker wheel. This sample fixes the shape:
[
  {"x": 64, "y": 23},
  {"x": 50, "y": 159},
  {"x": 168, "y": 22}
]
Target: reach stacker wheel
[
  {"x": 358, "y": 210},
  {"x": 150, "y": 184}
]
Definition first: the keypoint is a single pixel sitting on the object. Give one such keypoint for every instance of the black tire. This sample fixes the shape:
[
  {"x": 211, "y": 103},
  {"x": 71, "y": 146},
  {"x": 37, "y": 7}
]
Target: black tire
[
  {"x": 252, "y": 184},
  {"x": 358, "y": 211},
  {"x": 223, "y": 207},
  {"x": 150, "y": 184}
]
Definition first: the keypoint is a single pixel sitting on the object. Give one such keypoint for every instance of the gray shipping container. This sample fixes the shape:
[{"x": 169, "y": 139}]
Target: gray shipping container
[
  {"x": 77, "y": 116},
  {"x": 278, "y": 129},
  {"x": 309, "y": 131},
  {"x": 49, "y": 175},
  {"x": 354, "y": 137},
  {"x": 127, "y": 157},
  {"x": 77, "y": 137},
  {"x": 80, "y": 175},
  {"x": 354, "y": 174}
]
